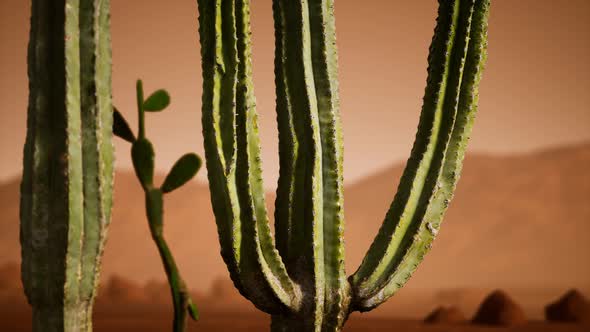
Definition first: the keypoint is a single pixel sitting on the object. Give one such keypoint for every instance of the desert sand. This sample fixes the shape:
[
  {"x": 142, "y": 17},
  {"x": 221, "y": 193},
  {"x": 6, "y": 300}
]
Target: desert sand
[
  {"x": 156, "y": 321},
  {"x": 513, "y": 225},
  {"x": 124, "y": 305}
]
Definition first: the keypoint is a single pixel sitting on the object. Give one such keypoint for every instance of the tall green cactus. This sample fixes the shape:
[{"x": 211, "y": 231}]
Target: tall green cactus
[
  {"x": 301, "y": 279},
  {"x": 66, "y": 189}
]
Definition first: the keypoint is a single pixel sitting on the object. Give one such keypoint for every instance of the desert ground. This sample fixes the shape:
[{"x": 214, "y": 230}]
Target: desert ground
[
  {"x": 123, "y": 305},
  {"x": 513, "y": 225},
  {"x": 228, "y": 321}
]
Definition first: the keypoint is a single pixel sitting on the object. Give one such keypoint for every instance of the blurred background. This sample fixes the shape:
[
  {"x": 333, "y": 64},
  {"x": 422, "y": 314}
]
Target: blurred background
[{"x": 520, "y": 219}]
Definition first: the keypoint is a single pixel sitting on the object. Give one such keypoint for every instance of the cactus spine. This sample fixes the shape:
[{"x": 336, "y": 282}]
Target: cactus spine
[
  {"x": 301, "y": 279},
  {"x": 66, "y": 189}
]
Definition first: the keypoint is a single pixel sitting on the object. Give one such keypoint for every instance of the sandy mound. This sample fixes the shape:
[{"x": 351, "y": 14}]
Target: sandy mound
[
  {"x": 500, "y": 310},
  {"x": 572, "y": 307},
  {"x": 445, "y": 315}
]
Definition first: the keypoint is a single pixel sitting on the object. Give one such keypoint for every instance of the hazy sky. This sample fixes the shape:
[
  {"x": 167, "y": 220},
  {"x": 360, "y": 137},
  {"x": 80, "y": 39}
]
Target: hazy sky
[{"x": 535, "y": 92}]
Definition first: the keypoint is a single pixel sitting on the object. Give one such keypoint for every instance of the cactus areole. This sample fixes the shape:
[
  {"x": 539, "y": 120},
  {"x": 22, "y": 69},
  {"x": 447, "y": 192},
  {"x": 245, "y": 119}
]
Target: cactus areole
[
  {"x": 298, "y": 276},
  {"x": 66, "y": 189}
]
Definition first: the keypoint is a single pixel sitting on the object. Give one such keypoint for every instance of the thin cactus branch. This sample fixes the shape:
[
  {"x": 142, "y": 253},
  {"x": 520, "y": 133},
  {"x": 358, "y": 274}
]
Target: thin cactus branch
[{"x": 143, "y": 155}]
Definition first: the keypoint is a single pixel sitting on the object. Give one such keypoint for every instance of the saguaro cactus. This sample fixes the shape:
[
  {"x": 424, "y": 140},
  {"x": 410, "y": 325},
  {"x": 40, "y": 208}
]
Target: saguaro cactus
[
  {"x": 301, "y": 279},
  {"x": 66, "y": 190}
]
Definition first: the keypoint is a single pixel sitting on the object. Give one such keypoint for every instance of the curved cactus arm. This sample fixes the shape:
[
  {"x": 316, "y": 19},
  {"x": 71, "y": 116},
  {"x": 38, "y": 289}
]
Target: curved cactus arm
[
  {"x": 67, "y": 170},
  {"x": 300, "y": 223},
  {"x": 309, "y": 212},
  {"x": 456, "y": 60},
  {"x": 249, "y": 172},
  {"x": 233, "y": 159}
]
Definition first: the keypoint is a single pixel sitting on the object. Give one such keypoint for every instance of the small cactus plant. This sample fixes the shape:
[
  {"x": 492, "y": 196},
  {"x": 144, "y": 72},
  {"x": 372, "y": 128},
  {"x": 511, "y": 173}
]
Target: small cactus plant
[
  {"x": 143, "y": 155},
  {"x": 66, "y": 188},
  {"x": 300, "y": 279}
]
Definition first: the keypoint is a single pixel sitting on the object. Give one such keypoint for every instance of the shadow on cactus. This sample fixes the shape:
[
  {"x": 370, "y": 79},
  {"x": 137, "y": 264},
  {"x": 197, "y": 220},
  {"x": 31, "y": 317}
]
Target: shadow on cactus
[
  {"x": 143, "y": 155},
  {"x": 300, "y": 279}
]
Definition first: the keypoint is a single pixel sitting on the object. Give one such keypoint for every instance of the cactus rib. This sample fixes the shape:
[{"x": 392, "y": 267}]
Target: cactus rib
[
  {"x": 432, "y": 171},
  {"x": 228, "y": 107}
]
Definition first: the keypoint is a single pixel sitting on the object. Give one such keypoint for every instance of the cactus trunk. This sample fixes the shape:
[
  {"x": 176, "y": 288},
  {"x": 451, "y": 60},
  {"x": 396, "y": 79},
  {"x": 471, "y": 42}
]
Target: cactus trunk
[
  {"x": 301, "y": 279},
  {"x": 66, "y": 189}
]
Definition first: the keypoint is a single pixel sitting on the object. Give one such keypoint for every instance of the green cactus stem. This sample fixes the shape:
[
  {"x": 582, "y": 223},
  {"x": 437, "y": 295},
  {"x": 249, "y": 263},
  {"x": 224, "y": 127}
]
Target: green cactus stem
[
  {"x": 143, "y": 155},
  {"x": 66, "y": 189},
  {"x": 300, "y": 280}
]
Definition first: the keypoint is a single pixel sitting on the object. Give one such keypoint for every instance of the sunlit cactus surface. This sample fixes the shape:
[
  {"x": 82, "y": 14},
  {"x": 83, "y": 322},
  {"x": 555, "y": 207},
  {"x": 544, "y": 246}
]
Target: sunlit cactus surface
[{"x": 298, "y": 276}]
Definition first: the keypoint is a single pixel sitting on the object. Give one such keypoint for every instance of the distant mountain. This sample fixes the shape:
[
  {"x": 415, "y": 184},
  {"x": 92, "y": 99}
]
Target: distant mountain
[{"x": 518, "y": 222}]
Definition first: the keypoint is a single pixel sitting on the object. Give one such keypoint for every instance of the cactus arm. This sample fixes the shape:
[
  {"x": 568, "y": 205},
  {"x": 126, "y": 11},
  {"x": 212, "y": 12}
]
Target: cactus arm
[
  {"x": 60, "y": 235},
  {"x": 291, "y": 198},
  {"x": 380, "y": 276},
  {"x": 249, "y": 148},
  {"x": 98, "y": 158},
  {"x": 285, "y": 226},
  {"x": 414, "y": 177},
  {"x": 306, "y": 254},
  {"x": 467, "y": 108},
  {"x": 212, "y": 71},
  {"x": 234, "y": 164},
  {"x": 307, "y": 98},
  {"x": 325, "y": 65},
  {"x": 309, "y": 195},
  {"x": 227, "y": 44}
]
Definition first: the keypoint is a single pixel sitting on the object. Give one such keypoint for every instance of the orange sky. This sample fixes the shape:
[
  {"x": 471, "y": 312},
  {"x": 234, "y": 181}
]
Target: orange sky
[{"x": 534, "y": 93}]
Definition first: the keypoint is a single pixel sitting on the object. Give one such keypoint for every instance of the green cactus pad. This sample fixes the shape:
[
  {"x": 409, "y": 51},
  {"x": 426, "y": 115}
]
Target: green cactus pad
[
  {"x": 121, "y": 128},
  {"x": 142, "y": 155},
  {"x": 183, "y": 170},
  {"x": 157, "y": 101}
]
